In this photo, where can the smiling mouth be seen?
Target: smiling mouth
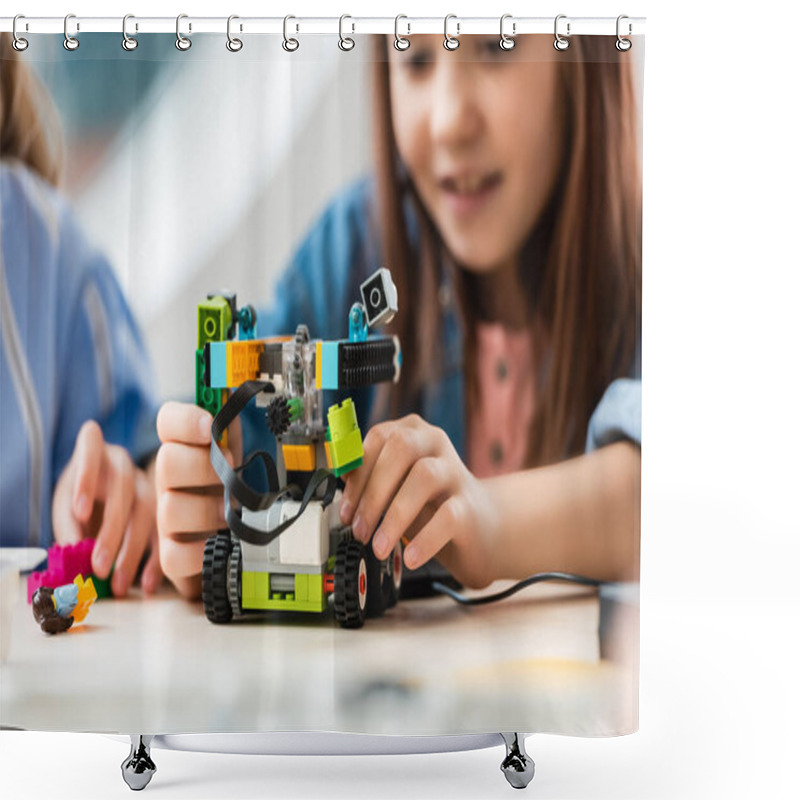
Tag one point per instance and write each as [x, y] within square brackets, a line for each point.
[471, 185]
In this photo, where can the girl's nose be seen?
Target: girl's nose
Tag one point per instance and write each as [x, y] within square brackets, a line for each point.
[456, 116]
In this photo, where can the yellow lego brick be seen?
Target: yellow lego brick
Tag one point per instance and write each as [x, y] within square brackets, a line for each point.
[241, 361]
[318, 365]
[299, 457]
[86, 596]
[328, 455]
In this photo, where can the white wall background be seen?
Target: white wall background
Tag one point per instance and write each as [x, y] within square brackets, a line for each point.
[720, 697]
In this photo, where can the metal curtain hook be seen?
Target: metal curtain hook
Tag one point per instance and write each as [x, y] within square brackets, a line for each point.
[289, 44]
[560, 42]
[507, 42]
[400, 42]
[345, 42]
[182, 42]
[70, 42]
[451, 42]
[128, 43]
[18, 43]
[623, 45]
[234, 45]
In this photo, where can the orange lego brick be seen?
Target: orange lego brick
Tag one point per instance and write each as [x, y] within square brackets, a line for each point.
[299, 457]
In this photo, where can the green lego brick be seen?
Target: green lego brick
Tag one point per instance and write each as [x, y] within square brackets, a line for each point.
[346, 446]
[349, 467]
[213, 320]
[205, 397]
[316, 596]
[255, 589]
[103, 586]
[308, 594]
[301, 588]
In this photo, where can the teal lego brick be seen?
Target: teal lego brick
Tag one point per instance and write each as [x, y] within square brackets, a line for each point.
[329, 375]
[218, 368]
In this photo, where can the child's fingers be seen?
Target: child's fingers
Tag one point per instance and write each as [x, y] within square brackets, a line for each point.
[184, 422]
[427, 480]
[134, 543]
[182, 466]
[119, 492]
[357, 479]
[401, 449]
[66, 528]
[152, 574]
[187, 512]
[86, 464]
[452, 516]
[181, 559]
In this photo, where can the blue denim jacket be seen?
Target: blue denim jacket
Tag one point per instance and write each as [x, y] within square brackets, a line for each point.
[321, 283]
[70, 351]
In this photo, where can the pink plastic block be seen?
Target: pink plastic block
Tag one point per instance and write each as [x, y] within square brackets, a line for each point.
[64, 564]
[71, 559]
[51, 580]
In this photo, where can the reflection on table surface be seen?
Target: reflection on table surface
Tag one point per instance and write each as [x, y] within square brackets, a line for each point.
[534, 662]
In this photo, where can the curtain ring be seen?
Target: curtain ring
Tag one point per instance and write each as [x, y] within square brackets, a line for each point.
[289, 44]
[18, 43]
[451, 42]
[400, 42]
[560, 42]
[182, 42]
[507, 42]
[233, 45]
[70, 42]
[128, 42]
[623, 45]
[345, 42]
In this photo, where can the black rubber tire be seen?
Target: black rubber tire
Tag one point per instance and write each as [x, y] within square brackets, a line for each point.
[391, 592]
[347, 609]
[215, 578]
[377, 582]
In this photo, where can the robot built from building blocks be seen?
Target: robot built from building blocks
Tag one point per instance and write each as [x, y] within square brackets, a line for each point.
[287, 548]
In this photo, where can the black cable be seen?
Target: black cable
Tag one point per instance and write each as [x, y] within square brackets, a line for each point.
[569, 577]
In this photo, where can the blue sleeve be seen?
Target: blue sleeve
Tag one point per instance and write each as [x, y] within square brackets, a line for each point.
[104, 370]
[618, 415]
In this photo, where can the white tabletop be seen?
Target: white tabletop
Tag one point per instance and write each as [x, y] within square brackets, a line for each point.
[156, 665]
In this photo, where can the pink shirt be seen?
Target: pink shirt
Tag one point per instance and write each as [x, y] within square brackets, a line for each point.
[500, 427]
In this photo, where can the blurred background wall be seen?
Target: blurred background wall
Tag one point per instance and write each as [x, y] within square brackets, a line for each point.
[197, 170]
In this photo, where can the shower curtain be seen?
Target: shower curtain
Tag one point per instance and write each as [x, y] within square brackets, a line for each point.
[405, 269]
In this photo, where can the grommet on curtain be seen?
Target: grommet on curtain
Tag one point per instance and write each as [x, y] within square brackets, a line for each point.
[290, 44]
[233, 45]
[18, 43]
[345, 42]
[451, 42]
[507, 42]
[182, 42]
[560, 42]
[128, 42]
[70, 42]
[400, 42]
[623, 45]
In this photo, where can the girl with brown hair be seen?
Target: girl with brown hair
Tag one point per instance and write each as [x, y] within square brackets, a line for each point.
[506, 202]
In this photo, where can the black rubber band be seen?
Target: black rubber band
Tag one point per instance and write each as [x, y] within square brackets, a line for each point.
[236, 487]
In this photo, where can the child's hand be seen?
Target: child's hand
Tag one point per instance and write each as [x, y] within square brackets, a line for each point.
[102, 494]
[411, 471]
[190, 497]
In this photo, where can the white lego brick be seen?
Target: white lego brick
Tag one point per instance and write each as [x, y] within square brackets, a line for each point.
[307, 541]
